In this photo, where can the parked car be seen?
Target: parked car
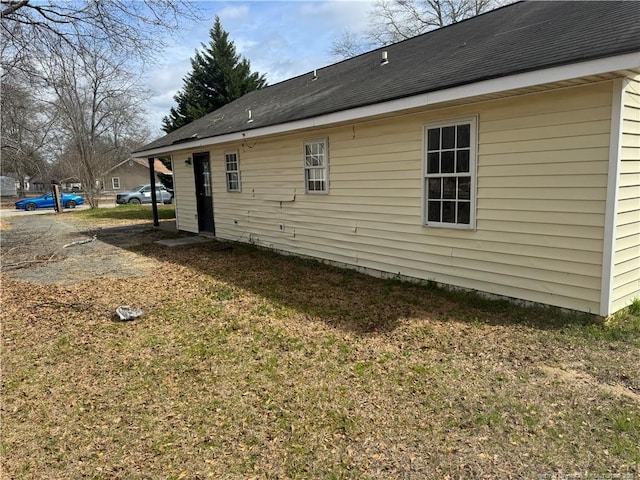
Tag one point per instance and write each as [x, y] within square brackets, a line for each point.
[47, 201]
[142, 194]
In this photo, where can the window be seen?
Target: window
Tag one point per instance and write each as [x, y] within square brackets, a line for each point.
[450, 167]
[233, 171]
[115, 182]
[315, 167]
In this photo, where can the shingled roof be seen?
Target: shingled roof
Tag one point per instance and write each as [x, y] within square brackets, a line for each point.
[158, 166]
[517, 38]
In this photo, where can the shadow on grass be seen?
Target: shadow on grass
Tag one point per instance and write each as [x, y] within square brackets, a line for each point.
[353, 301]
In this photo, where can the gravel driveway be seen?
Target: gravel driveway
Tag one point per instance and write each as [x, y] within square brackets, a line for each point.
[48, 249]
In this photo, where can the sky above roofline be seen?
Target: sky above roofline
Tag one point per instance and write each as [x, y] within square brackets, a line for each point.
[281, 39]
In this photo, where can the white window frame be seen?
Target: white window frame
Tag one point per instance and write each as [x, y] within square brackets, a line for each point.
[236, 171]
[324, 168]
[473, 166]
[115, 180]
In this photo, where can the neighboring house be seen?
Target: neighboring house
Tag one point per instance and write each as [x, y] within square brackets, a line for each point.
[71, 184]
[129, 174]
[36, 184]
[500, 154]
[7, 186]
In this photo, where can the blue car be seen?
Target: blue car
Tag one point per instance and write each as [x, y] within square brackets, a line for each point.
[69, 200]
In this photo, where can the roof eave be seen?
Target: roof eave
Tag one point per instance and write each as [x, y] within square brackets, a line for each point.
[485, 87]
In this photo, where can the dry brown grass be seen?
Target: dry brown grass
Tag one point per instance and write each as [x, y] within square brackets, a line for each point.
[247, 364]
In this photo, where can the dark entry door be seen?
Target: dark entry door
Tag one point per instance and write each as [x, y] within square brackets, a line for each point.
[204, 193]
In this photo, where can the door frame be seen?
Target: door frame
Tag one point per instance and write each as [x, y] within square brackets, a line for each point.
[206, 220]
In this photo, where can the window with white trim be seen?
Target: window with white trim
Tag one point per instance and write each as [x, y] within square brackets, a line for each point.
[115, 183]
[450, 166]
[232, 168]
[316, 162]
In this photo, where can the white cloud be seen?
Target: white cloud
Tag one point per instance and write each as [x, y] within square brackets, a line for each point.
[168, 76]
[285, 39]
[233, 12]
[164, 81]
[341, 14]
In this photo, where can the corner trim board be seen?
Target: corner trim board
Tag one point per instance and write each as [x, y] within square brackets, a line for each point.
[611, 209]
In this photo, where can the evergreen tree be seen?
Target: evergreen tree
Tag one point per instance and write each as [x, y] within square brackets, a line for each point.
[218, 76]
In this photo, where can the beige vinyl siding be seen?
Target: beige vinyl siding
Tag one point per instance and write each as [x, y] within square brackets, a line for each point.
[626, 268]
[184, 193]
[541, 194]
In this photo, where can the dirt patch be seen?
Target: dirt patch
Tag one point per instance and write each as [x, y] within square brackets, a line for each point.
[583, 379]
[47, 249]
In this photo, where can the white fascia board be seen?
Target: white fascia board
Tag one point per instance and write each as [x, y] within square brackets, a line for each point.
[511, 82]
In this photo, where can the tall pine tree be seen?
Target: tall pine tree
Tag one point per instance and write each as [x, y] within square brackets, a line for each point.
[218, 76]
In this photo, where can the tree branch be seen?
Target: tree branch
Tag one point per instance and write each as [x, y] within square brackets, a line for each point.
[12, 8]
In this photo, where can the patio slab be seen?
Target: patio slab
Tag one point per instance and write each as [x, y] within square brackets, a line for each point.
[177, 242]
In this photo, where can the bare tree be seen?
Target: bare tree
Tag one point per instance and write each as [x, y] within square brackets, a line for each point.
[350, 43]
[24, 133]
[31, 28]
[391, 21]
[77, 55]
[98, 106]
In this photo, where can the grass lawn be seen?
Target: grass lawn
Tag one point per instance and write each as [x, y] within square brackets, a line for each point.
[125, 213]
[247, 364]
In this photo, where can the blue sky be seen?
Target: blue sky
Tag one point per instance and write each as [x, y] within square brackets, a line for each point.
[281, 39]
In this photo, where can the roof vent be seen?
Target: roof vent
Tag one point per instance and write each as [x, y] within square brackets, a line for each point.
[385, 58]
[315, 75]
[250, 120]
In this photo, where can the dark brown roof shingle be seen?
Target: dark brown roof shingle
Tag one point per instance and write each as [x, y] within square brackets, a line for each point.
[518, 38]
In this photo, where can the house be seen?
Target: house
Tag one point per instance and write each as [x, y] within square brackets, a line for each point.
[500, 154]
[130, 173]
[36, 184]
[7, 186]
